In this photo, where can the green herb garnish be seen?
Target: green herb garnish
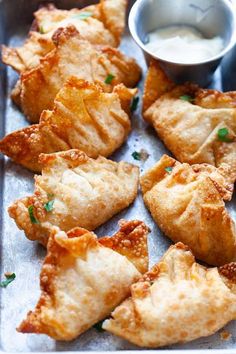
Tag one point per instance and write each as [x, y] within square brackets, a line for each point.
[49, 205]
[187, 98]
[50, 195]
[41, 30]
[83, 15]
[109, 79]
[136, 155]
[98, 326]
[9, 279]
[31, 215]
[134, 104]
[169, 169]
[223, 135]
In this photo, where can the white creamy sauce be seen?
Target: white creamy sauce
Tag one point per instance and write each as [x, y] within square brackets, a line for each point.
[183, 44]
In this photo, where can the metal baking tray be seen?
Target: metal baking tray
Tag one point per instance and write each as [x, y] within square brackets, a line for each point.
[23, 257]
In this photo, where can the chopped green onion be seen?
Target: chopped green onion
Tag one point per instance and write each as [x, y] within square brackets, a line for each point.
[169, 169]
[31, 215]
[98, 326]
[134, 104]
[223, 135]
[142, 155]
[136, 155]
[41, 30]
[9, 279]
[109, 79]
[187, 98]
[49, 205]
[82, 15]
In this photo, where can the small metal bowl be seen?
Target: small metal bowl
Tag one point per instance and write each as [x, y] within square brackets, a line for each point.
[211, 17]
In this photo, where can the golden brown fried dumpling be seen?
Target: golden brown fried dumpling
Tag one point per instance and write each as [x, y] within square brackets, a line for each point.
[101, 24]
[75, 190]
[83, 117]
[187, 203]
[110, 13]
[83, 279]
[85, 61]
[177, 301]
[197, 126]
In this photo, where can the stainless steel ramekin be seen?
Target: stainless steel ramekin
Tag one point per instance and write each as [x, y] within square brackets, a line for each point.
[211, 17]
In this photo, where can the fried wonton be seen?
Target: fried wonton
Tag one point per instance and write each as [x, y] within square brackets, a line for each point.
[111, 13]
[75, 190]
[83, 278]
[101, 24]
[196, 125]
[73, 56]
[187, 202]
[177, 301]
[83, 117]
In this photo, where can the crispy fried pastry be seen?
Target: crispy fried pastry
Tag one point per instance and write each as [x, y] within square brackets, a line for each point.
[105, 66]
[83, 278]
[187, 202]
[196, 125]
[101, 24]
[83, 117]
[75, 190]
[111, 13]
[177, 301]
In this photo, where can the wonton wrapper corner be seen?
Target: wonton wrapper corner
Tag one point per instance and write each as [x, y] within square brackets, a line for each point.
[84, 278]
[177, 301]
[84, 192]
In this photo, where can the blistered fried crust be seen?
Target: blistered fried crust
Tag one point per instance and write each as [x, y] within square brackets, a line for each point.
[24, 146]
[84, 192]
[130, 241]
[103, 26]
[82, 281]
[16, 92]
[94, 64]
[215, 99]
[83, 117]
[187, 203]
[189, 121]
[180, 301]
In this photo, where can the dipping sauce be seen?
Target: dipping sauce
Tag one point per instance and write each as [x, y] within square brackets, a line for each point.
[183, 44]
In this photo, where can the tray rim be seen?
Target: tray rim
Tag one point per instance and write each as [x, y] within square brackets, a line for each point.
[2, 177]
